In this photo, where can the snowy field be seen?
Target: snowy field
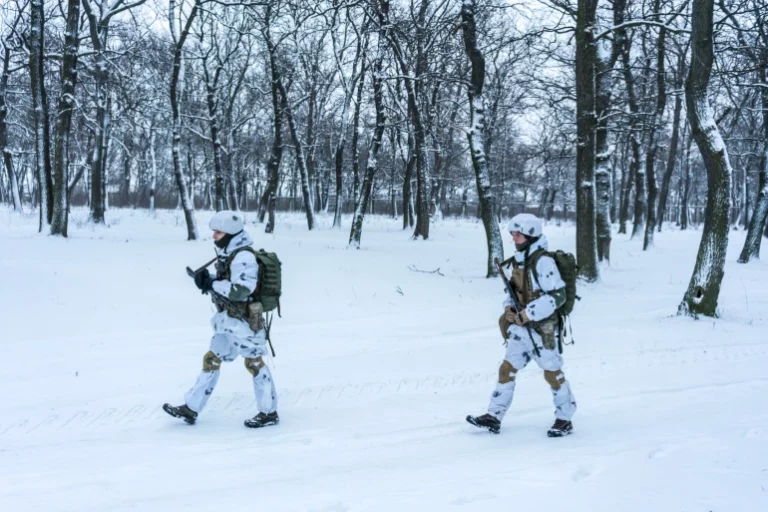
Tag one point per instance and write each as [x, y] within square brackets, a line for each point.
[376, 368]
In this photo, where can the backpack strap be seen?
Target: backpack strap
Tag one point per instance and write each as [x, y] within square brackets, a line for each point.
[507, 262]
[251, 250]
[532, 265]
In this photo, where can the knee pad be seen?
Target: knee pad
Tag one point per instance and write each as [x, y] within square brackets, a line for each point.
[254, 365]
[507, 372]
[504, 326]
[211, 362]
[554, 379]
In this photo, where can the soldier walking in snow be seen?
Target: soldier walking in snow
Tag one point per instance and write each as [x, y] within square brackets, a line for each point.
[238, 324]
[531, 326]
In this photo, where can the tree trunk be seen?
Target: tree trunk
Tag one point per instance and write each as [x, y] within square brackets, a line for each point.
[627, 179]
[622, 42]
[655, 134]
[153, 172]
[586, 123]
[604, 62]
[4, 151]
[189, 212]
[673, 143]
[704, 287]
[268, 200]
[757, 224]
[476, 137]
[211, 84]
[349, 92]
[64, 119]
[373, 155]
[300, 161]
[356, 134]
[412, 90]
[408, 220]
[36, 82]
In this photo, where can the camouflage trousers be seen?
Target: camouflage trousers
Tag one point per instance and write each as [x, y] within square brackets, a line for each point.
[225, 348]
[519, 353]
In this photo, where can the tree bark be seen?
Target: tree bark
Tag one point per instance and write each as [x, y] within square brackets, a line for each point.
[758, 224]
[673, 143]
[604, 62]
[704, 287]
[636, 171]
[655, 134]
[189, 212]
[36, 82]
[412, 90]
[586, 124]
[372, 166]
[268, 199]
[4, 151]
[211, 89]
[300, 161]
[64, 119]
[476, 137]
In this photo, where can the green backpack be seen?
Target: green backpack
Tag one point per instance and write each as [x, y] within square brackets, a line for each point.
[566, 265]
[269, 287]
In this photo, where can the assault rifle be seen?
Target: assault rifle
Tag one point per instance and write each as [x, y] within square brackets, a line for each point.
[218, 299]
[510, 285]
[221, 302]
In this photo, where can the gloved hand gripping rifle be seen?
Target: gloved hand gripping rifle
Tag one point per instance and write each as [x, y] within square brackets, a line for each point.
[510, 286]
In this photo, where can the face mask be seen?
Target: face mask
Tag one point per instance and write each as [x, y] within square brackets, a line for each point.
[525, 245]
[223, 242]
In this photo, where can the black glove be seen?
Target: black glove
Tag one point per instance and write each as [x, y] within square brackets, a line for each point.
[204, 281]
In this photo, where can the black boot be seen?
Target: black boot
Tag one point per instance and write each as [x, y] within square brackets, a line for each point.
[488, 421]
[263, 420]
[181, 411]
[561, 428]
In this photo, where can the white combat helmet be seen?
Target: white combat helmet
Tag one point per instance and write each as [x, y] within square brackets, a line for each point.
[527, 224]
[227, 221]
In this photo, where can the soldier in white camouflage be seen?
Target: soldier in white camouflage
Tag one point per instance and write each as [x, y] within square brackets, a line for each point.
[532, 332]
[238, 326]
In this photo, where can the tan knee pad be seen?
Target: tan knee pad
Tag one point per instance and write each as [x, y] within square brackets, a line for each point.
[554, 379]
[504, 326]
[507, 372]
[253, 365]
[211, 362]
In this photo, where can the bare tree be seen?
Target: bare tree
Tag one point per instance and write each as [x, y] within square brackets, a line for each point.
[7, 156]
[39, 110]
[704, 287]
[586, 124]
[64, 119]
[182, 30]
[476, 136]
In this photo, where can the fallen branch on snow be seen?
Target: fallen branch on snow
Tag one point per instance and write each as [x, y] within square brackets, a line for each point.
[412, 268]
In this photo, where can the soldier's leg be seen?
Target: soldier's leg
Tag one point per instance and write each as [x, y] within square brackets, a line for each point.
[515, 359]
[263, 384]
[565, 403]
[221, 350]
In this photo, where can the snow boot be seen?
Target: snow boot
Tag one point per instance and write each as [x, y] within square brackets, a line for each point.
[263, 420]
[181, 411]
[486, 421]
[561, 428]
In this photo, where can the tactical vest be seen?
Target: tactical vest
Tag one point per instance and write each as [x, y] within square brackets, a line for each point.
[522, 277]
[239, 310]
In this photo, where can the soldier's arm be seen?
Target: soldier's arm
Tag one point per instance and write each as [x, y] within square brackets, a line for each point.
[553, 288]
[244, 275]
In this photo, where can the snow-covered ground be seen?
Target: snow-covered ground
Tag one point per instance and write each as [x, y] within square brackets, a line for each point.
[377, 366]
